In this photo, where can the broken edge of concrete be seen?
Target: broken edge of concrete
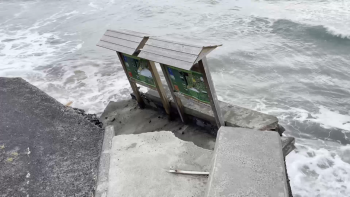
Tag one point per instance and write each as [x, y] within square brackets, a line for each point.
[103, 169]
[234, 116]
[247, 162]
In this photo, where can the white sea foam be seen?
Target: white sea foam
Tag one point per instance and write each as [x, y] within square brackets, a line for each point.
[328, 119]
[25, 51]
[331, 119]
[88, 88]
[319, 171]
[91, 4]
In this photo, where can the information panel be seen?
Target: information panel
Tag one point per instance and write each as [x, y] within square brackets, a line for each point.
[189, 83]
[138, 69]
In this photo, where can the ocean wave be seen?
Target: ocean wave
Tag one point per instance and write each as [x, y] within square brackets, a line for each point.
[305, 30]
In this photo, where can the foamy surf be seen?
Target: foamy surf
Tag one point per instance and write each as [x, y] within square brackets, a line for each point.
[319, 171]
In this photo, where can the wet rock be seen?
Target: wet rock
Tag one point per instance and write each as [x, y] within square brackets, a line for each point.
[91, 117]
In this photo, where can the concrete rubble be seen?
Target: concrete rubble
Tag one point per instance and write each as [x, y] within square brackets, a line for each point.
[140, 155]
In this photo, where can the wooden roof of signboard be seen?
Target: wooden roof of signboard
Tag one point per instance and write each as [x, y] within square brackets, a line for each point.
[125, 41]
[181, 55]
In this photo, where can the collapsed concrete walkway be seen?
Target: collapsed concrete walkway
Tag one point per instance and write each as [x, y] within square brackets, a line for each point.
[126, 118]
[46, 149]
[139, 155]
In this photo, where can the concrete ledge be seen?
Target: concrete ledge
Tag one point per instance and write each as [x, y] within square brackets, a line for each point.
[103, 170]
[234, 116]
[247, 162]
[127, 118]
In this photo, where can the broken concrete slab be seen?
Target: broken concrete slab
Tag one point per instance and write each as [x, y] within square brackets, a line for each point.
[247, 162]
[103, 169]
[233, 115]
[127, 118]
[139, 165]
[287, 144]
[46, 149]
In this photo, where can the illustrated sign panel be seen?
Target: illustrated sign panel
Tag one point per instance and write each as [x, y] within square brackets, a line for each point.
[138, 69]
[188, 82]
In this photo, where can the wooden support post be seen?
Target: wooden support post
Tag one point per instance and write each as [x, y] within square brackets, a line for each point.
[159, 86]
[177, 101]
[132, 84]
[214, 102]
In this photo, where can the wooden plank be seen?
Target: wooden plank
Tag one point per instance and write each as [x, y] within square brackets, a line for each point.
[115, 47]
[195, 50]
[159, 86]
[132, 84]
[204, 53]
[214, 103]
[165, 60]
[122, 42]
[192, 43]
[170, 53]
[128, 32]
[124, 36]
[185, 42]
[141, 45]
[177, 101]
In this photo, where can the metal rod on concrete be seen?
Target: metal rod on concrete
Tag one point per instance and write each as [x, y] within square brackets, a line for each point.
[132, 84]
[177, 100]
[214, 102]
[159, 86]
[188, 172]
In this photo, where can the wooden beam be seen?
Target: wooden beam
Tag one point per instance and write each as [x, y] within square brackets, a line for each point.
[159, 85]
[214, 103]
[177, 101]
[132, 83]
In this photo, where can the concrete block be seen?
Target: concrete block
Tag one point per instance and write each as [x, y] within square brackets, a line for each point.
[247, 162]
[103, 169]
[139, 165]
